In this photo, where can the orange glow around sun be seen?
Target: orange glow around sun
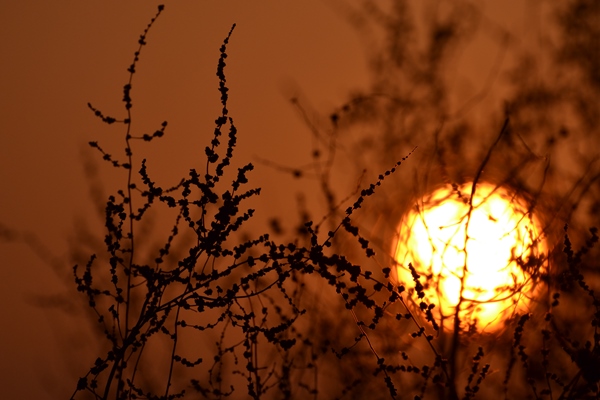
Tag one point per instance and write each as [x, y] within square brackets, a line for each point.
[488, 280]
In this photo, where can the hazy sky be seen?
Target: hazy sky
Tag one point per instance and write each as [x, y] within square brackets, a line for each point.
[60, 55]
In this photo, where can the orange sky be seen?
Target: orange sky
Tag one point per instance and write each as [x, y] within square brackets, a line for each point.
[59, 55]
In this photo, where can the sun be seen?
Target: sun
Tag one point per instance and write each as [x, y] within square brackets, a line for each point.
[480, 255]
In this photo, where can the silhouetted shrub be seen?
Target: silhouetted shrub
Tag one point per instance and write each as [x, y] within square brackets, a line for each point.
[214, 313]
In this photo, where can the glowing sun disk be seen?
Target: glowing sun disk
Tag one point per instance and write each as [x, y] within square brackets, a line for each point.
[480, 255]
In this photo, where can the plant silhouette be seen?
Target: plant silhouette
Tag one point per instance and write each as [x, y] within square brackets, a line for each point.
[214, 313]
[220, 285]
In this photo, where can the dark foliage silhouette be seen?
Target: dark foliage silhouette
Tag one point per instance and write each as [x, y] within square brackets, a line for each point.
[216, 314]
[221, 286]
[215, 311]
